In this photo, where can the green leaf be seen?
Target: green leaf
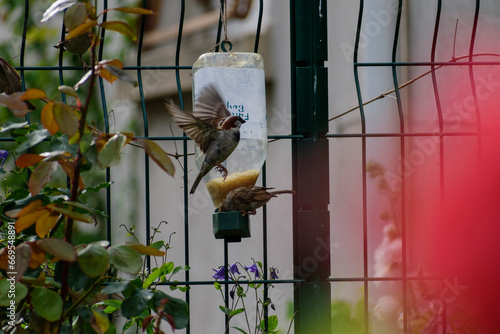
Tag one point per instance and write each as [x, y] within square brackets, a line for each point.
[121, 27]
[158, 155]
[272, 323]
[225, 310]
[165, 269]
[56, 7]
[115, 287]
[237, 311]
[152, 277]
[96, 189]
[47, 303]
[32, 139]
[132, 286]
[158, 244]
[110, 154]
[75, 15]
[12, 126]
[7, 296]
[125, 259]
[136, 303]
[217, 286]
[113, 303]
[59, 248]
[177, 308]
[240, 330]
[93, 260]
[77, 278]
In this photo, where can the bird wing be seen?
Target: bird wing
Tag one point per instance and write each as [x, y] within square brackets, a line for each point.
[209, 107]
[201, 132]
[11, 79]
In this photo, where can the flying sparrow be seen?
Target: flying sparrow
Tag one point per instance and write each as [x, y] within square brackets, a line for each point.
[213, 129]
[248, 199]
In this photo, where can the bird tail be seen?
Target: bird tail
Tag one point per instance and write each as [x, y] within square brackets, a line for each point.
[282, 192]
[196, 183]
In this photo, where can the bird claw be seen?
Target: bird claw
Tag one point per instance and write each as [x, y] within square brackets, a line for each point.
[221, 169]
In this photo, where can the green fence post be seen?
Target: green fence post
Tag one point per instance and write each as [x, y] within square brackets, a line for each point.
[311, 226]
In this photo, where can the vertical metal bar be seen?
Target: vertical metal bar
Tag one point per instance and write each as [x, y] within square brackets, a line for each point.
[23, 48]
[312, 298]
[264, 251]
[185, 154]
[471, 73]
[146, 134]
[402, 160]
[259, 25]
[441, 126]
[60, 63]
[106, 125]
[363, 167]
[226, 284]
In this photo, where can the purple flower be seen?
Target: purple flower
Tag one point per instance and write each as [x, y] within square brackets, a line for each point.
[273, 272]
[3, 156]
[219, 274]
[234, 269]
[253, 269]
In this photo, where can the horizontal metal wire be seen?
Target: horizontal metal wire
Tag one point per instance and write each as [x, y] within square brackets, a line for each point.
[131, 67]
[381, 279]
[428, 63]
[268, 281]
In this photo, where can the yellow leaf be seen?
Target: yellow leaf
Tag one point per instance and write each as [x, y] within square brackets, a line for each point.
[67, 118]
[107, 75]
[99, 322]
[156, 153]
[45, 223]
[28, 208]
[146, 250]
[47, 118]
[121, 27]
[81, 29]
[140, 11]
[37, 255]
[28, 160]
[27, 220]
[74, 215]
[33, 94]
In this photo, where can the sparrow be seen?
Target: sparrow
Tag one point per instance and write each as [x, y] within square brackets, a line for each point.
[213, 129]
[248, 199]
[10, 81]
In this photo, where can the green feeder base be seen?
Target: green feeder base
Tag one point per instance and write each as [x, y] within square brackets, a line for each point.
[231, 226]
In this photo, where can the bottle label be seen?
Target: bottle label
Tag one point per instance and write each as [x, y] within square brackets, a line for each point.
[243, 92]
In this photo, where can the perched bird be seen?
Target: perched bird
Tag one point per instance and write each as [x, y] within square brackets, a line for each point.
[10, 81]
[213, 129]
[248, 199]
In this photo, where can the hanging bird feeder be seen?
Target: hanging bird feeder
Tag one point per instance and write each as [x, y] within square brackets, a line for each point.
[239, 79]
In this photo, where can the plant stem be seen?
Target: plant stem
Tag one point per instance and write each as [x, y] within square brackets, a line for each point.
[75, 182]
[82, 297]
